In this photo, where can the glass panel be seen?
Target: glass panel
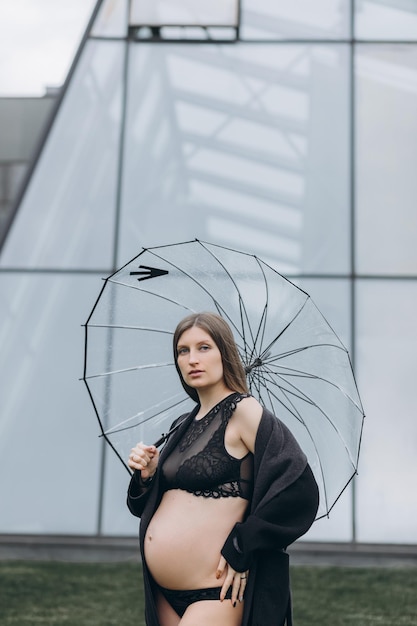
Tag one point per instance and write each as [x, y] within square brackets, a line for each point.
[386, 367]
[70, 202]
[112, 19]
[235, 145]
[386, 110]
[186, 12]
[299, 19]
[333, 299]
[49, 445]
[386, 19]
[117, 520]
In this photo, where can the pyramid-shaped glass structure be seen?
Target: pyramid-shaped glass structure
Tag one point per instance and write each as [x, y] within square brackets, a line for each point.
[231, 122]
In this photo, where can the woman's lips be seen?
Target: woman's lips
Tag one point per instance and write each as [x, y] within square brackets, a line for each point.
[195, 373]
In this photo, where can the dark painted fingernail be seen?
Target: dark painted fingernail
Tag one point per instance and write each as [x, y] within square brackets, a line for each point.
[234, 603]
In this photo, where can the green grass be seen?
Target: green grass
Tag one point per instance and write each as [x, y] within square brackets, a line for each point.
[71, 594]
[352, 596]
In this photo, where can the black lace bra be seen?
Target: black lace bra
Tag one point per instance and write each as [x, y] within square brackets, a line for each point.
[200, 463]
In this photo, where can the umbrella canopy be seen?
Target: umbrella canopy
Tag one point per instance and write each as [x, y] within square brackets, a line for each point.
[296, 365]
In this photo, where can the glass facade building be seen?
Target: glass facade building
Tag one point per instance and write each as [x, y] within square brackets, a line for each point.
[288, 130]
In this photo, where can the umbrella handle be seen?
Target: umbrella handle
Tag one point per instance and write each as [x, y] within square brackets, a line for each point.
[161, 440]
[164, 437]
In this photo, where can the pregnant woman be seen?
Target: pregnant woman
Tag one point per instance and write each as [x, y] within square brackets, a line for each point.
[229, 492]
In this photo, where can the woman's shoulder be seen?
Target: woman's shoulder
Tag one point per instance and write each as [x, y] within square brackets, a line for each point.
[249, 412]
[248, 403]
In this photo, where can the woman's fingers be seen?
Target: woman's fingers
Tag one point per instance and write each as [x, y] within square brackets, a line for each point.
[235, 580]
[243, 579]
[220, 567]
[228, 582]
[223, 567]
[238, 587]
[143, 457]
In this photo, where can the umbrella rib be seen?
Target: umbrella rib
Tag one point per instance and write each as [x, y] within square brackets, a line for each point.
[295, 412]
[118, 427]
[124, 327]
[283, 355]
[287, 326]
[148, 418]
[128, 369]
[320, 464]
[269, 381]
[301, 374]
[254, 380]
[261, 325]
[269, 394]
[261, 376]
[300, 396]
[151, 293]
[265, 311]
[311, 402]
[216, 303]
[254, 338]
[242, 308]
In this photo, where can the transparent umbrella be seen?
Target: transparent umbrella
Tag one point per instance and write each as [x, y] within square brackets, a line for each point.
[296, 365]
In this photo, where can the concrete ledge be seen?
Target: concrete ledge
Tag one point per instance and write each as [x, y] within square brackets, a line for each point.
[122, 549]
[353, 554]
[69, 548]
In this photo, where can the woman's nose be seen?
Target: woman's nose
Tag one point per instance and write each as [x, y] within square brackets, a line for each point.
[193, 356]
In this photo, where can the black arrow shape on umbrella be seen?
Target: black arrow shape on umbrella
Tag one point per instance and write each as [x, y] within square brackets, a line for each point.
[151, 272]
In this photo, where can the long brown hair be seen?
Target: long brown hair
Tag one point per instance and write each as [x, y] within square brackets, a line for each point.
[219, 330]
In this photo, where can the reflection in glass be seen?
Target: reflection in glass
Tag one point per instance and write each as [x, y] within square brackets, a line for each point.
[237, 146]
[386, 19]
[183, 12]
[299, 19]
[70, 201]
[332, 296]
[387, 372]
[386, 112]
[112, 19]
[45, 416]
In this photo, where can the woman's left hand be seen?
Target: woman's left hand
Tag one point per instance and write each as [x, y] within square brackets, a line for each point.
[236, 580]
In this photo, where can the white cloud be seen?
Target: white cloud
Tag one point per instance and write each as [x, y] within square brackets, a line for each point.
[38, 40]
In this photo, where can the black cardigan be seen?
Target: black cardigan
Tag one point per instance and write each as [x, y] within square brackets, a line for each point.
[283, 507]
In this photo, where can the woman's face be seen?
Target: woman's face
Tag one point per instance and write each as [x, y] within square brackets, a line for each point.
[199, 359]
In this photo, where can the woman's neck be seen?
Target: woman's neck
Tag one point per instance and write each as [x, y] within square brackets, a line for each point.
[208, 398]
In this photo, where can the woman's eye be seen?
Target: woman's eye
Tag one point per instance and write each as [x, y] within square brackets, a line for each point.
[182, 351]
[204, 348]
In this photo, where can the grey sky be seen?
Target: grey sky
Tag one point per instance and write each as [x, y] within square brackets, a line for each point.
[38, 39]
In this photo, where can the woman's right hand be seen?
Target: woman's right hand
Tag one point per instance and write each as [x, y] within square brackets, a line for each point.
[144, 459]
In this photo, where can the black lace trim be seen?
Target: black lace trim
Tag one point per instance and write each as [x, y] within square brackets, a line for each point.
[197, 427]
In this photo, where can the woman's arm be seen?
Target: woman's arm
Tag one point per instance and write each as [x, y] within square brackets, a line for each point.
[143, 460]
[277, 524]
[285, 497]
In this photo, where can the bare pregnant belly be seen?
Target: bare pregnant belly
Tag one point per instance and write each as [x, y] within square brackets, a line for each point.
[185, 536]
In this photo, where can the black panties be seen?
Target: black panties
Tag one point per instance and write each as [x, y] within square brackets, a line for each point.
[180, 599]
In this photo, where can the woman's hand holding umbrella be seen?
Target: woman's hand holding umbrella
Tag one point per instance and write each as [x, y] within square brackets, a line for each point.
[145, 459]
